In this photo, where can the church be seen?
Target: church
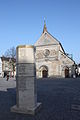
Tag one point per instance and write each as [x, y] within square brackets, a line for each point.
[51, 59]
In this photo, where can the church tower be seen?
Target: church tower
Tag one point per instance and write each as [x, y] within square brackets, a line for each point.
[45, 28]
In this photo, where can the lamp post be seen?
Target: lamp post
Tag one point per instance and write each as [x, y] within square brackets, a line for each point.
[12, 67]
[10, 64]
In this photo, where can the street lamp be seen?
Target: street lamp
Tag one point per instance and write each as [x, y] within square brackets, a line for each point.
[10, 64]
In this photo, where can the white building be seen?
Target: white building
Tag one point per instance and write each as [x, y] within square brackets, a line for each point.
[51, 59]
[8, 66]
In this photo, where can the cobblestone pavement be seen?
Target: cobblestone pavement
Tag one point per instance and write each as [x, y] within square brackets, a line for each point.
[57, 97]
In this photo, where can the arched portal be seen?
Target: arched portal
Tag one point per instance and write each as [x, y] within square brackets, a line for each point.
[66, 72]
[44, 71]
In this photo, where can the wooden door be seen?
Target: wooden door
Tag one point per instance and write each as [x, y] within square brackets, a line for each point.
[44, 73]
[67, 72]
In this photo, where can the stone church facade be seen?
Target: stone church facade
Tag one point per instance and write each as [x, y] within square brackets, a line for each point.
[51, 59]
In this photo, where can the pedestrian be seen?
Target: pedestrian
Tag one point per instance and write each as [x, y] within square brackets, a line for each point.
[7, 77]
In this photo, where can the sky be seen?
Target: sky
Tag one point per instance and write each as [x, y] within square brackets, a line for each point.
[22, 21]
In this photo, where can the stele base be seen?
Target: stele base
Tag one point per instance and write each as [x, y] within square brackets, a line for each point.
[32, 111]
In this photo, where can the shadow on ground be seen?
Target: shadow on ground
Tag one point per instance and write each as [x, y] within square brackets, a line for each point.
[56, 95]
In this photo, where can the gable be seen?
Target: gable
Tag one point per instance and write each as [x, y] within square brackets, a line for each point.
[66, 60]
[46, 39]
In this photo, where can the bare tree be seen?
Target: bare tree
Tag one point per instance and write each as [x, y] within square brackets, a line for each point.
[11, 52]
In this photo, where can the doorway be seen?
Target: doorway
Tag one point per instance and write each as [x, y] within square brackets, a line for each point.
[66, 72]
[44, 73]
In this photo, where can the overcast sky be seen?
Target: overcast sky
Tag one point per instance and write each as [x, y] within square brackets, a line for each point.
[21, 22]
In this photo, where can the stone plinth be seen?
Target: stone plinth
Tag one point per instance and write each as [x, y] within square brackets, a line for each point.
[26, 95]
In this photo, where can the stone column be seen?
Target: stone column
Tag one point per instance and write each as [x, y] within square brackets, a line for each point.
[26, 90]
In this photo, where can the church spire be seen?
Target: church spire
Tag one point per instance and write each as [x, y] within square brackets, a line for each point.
[45, 28]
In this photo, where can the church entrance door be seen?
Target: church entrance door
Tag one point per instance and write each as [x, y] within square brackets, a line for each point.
[66, 72]
[44, 73]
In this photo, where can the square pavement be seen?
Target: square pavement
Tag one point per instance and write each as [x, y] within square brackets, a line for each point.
[60, 99]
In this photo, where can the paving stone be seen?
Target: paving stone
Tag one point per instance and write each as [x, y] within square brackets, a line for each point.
[57, 97]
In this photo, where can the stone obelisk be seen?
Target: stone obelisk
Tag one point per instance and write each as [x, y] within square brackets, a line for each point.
[26, 89]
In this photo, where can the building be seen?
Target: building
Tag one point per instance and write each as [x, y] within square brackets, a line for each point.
[51, 59]
[8, 66]
[0, 67]
[78, 70]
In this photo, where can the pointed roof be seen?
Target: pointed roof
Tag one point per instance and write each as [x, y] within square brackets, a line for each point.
[45, 28]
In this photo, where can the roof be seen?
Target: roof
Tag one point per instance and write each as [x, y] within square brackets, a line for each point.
[3, 58]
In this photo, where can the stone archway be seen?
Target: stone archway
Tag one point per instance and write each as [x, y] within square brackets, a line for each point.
[66, 72]
[44, 71]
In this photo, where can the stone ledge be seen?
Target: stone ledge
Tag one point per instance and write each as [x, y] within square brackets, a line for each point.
[32, 111]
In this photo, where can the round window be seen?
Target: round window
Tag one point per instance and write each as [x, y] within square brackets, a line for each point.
[46, 52]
